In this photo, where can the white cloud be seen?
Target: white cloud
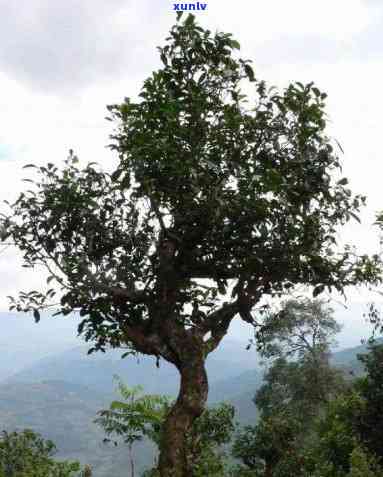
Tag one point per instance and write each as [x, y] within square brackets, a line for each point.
[259, 21]
[62, 47]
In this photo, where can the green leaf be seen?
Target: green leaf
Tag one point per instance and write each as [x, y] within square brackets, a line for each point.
[340, 147]
[343, 181]
[235, 44]
[354, 216]
[36, 315]
[116, 174]
[29, 165]
[249, 72]
[318, 290]
[189, 20]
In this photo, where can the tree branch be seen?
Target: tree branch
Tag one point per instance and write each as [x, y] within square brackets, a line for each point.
[132, 295]
[148, 343]
[218, 324]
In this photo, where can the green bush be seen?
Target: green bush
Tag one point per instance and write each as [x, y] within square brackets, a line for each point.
[27, 454]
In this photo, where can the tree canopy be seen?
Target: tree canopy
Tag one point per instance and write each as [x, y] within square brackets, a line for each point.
[295, 392]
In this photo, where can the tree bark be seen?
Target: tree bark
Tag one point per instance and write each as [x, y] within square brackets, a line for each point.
[188, 407]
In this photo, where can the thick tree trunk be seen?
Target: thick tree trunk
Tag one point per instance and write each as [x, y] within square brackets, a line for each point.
[189, 405]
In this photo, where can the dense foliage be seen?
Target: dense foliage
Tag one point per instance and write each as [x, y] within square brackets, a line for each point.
[26, 454]
[294, 392]
[345, 438]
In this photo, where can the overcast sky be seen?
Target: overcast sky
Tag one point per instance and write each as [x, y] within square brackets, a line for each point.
[62, 62]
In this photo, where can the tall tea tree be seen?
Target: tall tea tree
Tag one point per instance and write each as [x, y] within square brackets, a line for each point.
[209, 186]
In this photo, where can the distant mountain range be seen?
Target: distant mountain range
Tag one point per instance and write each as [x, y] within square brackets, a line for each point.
[60, 395]
[57, 391]
[347, 359]
[64, 412]
[23, 342]
[97, 370]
